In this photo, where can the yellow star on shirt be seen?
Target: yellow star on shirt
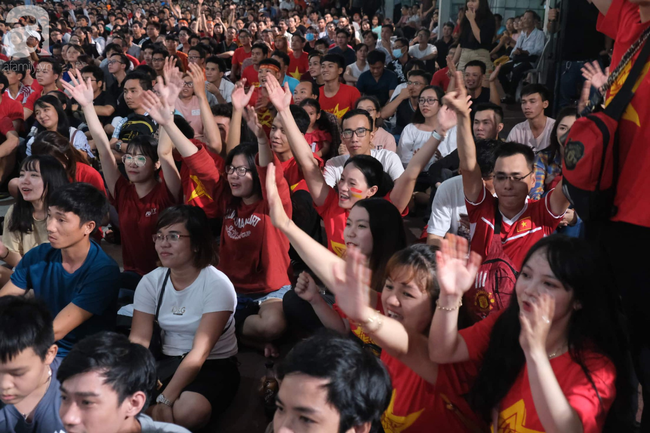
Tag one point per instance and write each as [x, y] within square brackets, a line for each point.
[394, 423]
[512, 419]
[338, 248]
[630, 112]
[296, 74]
[199, 191]
[339, 113]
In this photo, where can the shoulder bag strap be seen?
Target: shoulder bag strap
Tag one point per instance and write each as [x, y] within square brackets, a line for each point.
[162, 292]
[617, 107]
[497, 217]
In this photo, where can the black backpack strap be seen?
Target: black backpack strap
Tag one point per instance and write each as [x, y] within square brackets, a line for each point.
[617, 107]
[162, 291]
[497, 218]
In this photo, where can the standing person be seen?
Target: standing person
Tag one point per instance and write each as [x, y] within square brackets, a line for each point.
[629, 230]
[216, 83]
[477, 30]
[196, 316]
[536, 130]
[335, 97]
[28, 365]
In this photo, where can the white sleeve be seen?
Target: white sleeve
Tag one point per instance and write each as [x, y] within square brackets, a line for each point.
[392, 165]
[450, 143]
[227, 95]
[441, 212]
[405, 148]
[220, 295]
[146, 294]
[512, 135]
[332, 173]
[434, 49]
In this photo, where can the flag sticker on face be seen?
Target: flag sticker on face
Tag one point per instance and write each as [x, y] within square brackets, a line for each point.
[524, 225]
[356, 193]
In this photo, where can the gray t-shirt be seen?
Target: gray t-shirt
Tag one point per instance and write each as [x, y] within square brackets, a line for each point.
[46, 416]
[150, 426]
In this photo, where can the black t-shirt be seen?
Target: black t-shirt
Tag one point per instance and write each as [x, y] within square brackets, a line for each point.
[483, 97]
[105, 98]
[581, 39]
[487, 27]
[443, 51]
[397, 67]
[403, 116]
[224, 47]
[137, 40]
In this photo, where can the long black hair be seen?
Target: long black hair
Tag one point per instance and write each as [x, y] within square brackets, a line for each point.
[554, 146]
[326, 123]
[54, 177]
[63, 126]
[595, 329]
[418, 117]
[249, 151]
[373, 172]
[483, 14]
[388, 235]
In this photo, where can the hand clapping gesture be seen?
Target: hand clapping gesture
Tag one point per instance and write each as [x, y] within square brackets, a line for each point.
[241, 98]
[279, 96]
[456, 273]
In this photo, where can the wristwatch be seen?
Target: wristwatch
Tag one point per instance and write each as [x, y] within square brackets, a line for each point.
[437, 136]
[162, 399]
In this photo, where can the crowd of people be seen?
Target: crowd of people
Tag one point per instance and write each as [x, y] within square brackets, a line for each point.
[255, 162]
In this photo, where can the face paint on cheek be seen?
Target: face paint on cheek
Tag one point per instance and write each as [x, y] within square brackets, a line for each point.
[356, 193]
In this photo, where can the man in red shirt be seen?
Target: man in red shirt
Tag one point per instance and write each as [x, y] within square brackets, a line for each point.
[335, 97]
[259, 52]
[10, 108]
[524, 221]
[624, 239]
[299, 61]
[48, 73]
[241, 53]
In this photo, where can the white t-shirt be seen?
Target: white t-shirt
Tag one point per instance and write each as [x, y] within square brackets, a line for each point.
[416, 52]
[181, 310]
[447, 208]
[413, 139]
[389, 160]
[355, 71]
[148, 425]
[80, 142]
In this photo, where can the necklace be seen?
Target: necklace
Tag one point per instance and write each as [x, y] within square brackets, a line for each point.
[557, 352]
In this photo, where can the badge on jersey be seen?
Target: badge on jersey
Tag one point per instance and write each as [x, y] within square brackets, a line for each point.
[524, 225]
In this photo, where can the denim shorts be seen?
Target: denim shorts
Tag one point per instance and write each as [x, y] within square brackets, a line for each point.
[248, 305]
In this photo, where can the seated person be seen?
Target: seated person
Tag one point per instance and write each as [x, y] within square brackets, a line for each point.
[72, 274]
[196, 314]
[104, 102]
[117, 378]
[404, 105]
[29, 398]
[474, 76]
[333, 382]
[378, 81]
[536, 130]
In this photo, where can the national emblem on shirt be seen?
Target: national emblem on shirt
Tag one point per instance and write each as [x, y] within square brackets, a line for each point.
[483, 301]
[631, 113]
[512, 419]
[524, 225]
[338, 248]
[393, 423]
[338, 113]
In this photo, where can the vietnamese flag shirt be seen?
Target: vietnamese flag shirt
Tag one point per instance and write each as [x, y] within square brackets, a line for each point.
[340, 103]
[251, 75]
[298, 66]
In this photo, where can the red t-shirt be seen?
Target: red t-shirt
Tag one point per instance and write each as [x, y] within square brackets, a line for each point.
[357, 332]
[253, 253]
[293, 174]
[11, 108]
[517, 412]
[441, 79]
[240, 55]
[194, 192]
[298, 67]
[6, 126]
[343, 101]
[87, 174]
[623, 24]
[138, 219]
[251, 75]
[518, 235]
[316, 139]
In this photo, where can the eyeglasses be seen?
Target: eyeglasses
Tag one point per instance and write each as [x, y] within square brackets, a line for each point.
[173, 237]
[428, 101]
[361, 132]
[138, 160]
[158, 59]
[241, 171]
[414, 83]
[503, 177]
[188, 84]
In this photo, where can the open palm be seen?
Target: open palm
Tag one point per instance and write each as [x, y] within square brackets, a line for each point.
[79, 90]
[240, 97]
[352, 288]
[279, 96]
[455, 272]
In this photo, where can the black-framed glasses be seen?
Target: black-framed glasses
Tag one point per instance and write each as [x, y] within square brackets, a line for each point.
[241, 170]
[428, 101]
[188, 84]
[361, 132]
[172, 237]
[500, 177]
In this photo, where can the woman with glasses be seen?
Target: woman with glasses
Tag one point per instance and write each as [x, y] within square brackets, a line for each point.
[140, 196]
[195, 312]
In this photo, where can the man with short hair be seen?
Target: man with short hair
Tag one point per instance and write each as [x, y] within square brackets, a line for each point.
[322, 46]
[171, 43]
[259, 52]
[305, 90]
[215, 68]
[118, 66]
[114, 378]
[104, 101]
[404, 104]
[298, 59]
[335, 97]
[158, 60]
[226, 48]
[342, 48]
[536, 130]
[29, 390]
[401, 57]
[241, 53]
[370, 39]
[47, 72]
[386, 41]
[284, 60]
[444, 43]
[377, 81]
[473, 76]
[153, 31]
[9, 108]
[71, 273]
[333, 382]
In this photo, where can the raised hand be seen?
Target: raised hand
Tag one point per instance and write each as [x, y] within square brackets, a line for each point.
[171, 87]
[158, 108]
[279, 96]
[277, 213]
[495, 74]
[470, 14]
[198, 79]
[593, 73]
[447, 118]
[353, 286]
[451, 65]
[253, 122]
[458, 99]
[536, 323]
[455, 272]
[79, 90]
[306, 288]
[241, 98]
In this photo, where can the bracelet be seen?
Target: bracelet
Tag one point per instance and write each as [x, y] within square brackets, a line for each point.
[437, 136]
[162, 399]
[440, 307]
[373, 323]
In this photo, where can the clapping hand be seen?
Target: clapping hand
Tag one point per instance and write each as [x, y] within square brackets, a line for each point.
[279, 96]
[240, 97]
[456, 273]
[79, 90]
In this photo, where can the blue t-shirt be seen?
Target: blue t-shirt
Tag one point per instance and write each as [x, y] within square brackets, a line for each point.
[367, 85]
[46, 416]
[349, 54]
[292, 83]
[93, 287]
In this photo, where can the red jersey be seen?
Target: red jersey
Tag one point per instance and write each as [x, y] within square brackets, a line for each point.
[251, 75]
[6, 126]
[357, 332]
[343, 101]
[517, 412]
[194, 192]
[623, 24]
[253, 253]
[11, 109]
[138, 219]
[87, 174]
[518, 234]
[441, 79]
[298, 66]
[293, 174]
[316, 138]
[240, 55]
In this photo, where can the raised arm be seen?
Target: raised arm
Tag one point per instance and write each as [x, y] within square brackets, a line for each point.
[211, 133]
[82, 92]
[265, 154]
[494, 91]
[167, 163]
[240, 99]
[456, 275]
[281, 100]
[405, 184]
[472, 180]
[602, 5]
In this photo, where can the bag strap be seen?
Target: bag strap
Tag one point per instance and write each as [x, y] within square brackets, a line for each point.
[617, 107]
[162, 291]
[73, 136]
[497, 218]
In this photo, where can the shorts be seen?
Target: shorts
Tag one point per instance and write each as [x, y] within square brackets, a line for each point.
[483, 55]
[249, 305]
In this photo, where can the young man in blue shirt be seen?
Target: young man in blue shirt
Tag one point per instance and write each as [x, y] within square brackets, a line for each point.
[72, 274]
